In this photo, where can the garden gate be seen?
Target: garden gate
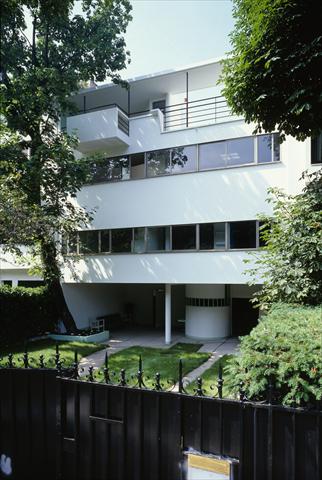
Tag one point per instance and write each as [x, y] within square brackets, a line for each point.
[65, 428]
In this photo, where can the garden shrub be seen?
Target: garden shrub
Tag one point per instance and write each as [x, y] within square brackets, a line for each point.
[24, 313]
[285, 346]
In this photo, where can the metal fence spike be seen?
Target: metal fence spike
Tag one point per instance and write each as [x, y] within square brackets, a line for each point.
[123, 378]
[91, 374]
[106, 370]
[220, 381]
[199, 391]
[41, 361]
[180, 374]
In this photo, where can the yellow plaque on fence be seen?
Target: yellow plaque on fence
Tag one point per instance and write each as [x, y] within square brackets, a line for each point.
[202, 467]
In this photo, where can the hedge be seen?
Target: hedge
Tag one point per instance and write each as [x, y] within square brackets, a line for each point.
[284, 349]
[24, 313]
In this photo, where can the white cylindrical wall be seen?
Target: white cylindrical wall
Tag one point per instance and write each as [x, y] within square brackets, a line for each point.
[207, 322]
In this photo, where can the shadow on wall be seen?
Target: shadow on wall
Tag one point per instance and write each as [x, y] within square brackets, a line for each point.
[145, 302]
[218, 195]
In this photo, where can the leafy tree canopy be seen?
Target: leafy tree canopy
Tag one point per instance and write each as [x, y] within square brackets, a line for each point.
[273, 76]
[291, 263]
[39, 174]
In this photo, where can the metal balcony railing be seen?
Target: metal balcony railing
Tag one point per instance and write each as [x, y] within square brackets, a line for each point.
[196, 113]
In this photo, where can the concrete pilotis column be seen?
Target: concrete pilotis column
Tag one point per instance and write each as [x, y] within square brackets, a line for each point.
[167, 323]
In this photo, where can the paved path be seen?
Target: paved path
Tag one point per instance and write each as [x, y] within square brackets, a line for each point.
[217, 349]
[143, 338]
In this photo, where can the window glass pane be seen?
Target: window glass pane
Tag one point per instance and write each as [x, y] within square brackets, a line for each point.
[105, 241]
[240, 151]
[316, 149]
[158, 238]
[99, 172]
[121, 240]
[72, 243]
[118, 168]
[264, 148]
[184, 159]
[159, 104]
[88, 241]
[158, 163]
[139, 244]
[184, 237]
[206, 232]
[212, 235]
[212, 155]
[108, 169]
[276, 146]
[137, 166]
[220, 235]
[243, 234]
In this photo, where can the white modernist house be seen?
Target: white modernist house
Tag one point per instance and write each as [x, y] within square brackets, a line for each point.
[177, 187]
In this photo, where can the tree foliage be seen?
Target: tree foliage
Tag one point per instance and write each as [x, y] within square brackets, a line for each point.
[39, 174]
[25, 313]
[273, 75]
[291, 263]
[285, 350]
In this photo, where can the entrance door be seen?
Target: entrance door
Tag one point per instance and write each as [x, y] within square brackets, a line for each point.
[244, 316]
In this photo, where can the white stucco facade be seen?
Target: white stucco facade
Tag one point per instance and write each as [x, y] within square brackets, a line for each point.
[101, 283]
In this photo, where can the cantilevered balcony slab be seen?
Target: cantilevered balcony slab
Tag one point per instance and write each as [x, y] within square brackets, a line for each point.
[99, 129]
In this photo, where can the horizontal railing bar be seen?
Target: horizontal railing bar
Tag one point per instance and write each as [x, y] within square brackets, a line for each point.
[199, 100]
[204, 118]
[215, 120]
[192, 114]
[184, 108]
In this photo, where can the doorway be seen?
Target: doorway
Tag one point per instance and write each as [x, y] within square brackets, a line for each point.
[244, 316]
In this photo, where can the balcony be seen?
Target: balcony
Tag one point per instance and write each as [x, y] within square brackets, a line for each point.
[96, 129]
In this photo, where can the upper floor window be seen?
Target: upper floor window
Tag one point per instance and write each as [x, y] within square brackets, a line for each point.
[242, 234]
[184, 237]
[121, 240]
[158, 163]
[88, 241]
[204, 236]
[159, 104]
[158, 239]
[184, 159]
[259, 149]
[109, 169]
[268, 148]
[316, 149]
[138, 165]
[212, 236]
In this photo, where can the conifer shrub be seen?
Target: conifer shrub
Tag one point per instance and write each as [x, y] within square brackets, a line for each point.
[285, 348]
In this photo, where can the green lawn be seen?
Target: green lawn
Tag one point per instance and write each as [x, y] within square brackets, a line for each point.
[48, 349]
[210, 379]
[162, 360]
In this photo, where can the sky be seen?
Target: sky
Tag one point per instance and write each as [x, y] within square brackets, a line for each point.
[172, 33]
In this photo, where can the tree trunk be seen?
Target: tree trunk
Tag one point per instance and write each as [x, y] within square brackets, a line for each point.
[52, 280]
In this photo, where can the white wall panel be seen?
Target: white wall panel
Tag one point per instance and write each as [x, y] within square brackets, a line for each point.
[180, 268]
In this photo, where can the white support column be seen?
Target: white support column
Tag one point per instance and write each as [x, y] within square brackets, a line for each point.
[167, 322]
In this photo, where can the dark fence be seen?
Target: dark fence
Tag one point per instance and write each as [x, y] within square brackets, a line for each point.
[64, 428]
